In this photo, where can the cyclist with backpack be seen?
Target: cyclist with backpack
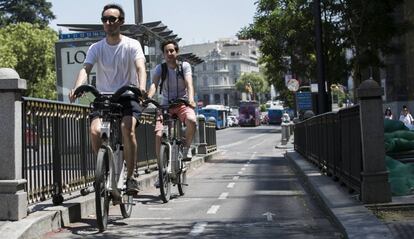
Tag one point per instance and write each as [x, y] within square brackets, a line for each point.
[175, 81]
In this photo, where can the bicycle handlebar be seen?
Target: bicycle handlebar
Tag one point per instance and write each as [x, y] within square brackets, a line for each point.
[115, 97]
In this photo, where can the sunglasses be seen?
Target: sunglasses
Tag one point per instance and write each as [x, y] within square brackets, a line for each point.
[111, 19]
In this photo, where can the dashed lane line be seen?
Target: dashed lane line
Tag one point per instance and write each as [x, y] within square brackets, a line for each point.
[223, 196]
[213, 209]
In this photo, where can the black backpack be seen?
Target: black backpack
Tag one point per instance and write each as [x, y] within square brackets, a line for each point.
[164, 71]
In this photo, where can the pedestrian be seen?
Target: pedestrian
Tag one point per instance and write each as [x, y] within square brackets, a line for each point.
[119, 61]
[178, 83]
[388, 114]
[406, 117]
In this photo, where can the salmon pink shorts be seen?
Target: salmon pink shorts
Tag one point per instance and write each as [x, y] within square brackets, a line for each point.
[183, 112]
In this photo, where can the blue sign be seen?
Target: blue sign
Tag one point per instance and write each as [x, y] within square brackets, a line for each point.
[304, 100]
[78, 35]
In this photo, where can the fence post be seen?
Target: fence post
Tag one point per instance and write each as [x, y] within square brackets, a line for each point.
[13, 198]
[375, 187]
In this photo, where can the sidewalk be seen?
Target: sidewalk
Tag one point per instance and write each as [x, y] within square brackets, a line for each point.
[46, 217]
[355, 220]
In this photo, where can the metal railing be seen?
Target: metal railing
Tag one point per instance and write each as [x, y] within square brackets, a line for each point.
[332, 141]
[56, 149]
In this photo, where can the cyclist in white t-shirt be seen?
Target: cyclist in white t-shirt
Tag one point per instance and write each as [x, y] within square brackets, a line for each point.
[119, 61]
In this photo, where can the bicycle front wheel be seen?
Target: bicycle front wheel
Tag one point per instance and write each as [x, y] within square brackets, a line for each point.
[182, 176]
[163, 176]
[101, 191]
[127, 200]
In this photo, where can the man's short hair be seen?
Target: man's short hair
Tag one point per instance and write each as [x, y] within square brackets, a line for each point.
[116, 6]
[169, 42]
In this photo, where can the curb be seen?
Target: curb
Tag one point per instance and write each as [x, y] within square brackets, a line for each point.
[353, 218]
[47, 217]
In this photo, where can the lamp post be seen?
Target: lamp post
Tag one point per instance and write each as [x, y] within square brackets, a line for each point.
[322, 95]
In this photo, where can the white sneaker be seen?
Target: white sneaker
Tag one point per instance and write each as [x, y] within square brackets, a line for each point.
[187, 155]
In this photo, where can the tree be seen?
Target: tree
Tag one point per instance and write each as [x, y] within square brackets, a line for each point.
[32, 11]
[32, 56]
[286, 32]
[252, 83]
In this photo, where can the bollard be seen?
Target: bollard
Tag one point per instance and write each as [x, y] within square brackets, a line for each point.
[285, 133]
[13, 198]
[202, 145]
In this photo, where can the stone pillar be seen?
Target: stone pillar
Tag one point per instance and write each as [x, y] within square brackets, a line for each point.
[13, 198]
[375, 187]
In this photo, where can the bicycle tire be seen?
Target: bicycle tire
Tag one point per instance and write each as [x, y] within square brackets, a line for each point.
[101, 193]
[182, 176]
[126, 208]
[182, 182]
[163, 176]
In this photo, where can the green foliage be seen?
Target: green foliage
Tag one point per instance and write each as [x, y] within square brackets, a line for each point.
[29, 49]
[31, 11]
[286, 32]
[256, 80]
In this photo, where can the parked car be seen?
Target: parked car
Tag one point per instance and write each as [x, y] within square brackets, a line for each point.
[233, 121]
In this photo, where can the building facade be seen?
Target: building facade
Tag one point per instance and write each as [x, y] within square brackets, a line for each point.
[224, 62]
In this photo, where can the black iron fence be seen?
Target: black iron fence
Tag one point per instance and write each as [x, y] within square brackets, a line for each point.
[57, 154]
[332, 141]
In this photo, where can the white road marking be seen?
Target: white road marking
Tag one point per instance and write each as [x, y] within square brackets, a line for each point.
[160, 208]
[198, 228]
[269, 216]
[236, 177]
[230, 185]
[243, 169]
[213, 209]
[239, 172]
[223, 196]
[247, 165]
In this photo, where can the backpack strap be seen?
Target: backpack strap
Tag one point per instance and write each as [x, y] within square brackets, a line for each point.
[164, 71]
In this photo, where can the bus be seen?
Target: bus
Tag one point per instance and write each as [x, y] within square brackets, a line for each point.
[218, 112]
[275, 113]
[249, 113]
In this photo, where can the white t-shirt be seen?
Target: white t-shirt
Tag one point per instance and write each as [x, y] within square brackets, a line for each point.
[407, 120]
[115, 64]
[172, 87]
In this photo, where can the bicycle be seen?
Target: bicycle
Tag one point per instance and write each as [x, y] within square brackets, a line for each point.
[110, 172]
[171, 168]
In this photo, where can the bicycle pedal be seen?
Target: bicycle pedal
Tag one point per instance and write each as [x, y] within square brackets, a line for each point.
[127, 203]
[185, 184]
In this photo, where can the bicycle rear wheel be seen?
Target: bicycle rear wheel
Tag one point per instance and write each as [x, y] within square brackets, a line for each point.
[127, 200]
[163, 176]
[101, 191]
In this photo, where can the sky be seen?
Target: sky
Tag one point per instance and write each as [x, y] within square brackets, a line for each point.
[195, 21]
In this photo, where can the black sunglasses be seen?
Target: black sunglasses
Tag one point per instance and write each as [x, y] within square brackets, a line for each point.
[111, 19]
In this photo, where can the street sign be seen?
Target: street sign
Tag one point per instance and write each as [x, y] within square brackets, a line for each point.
[293, 85]
[304, 100]
[81, 35]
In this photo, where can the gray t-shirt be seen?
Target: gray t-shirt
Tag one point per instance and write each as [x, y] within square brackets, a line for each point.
[173, 88]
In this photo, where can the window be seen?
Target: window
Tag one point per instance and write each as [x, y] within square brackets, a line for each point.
[205, 81]
[204, 66]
